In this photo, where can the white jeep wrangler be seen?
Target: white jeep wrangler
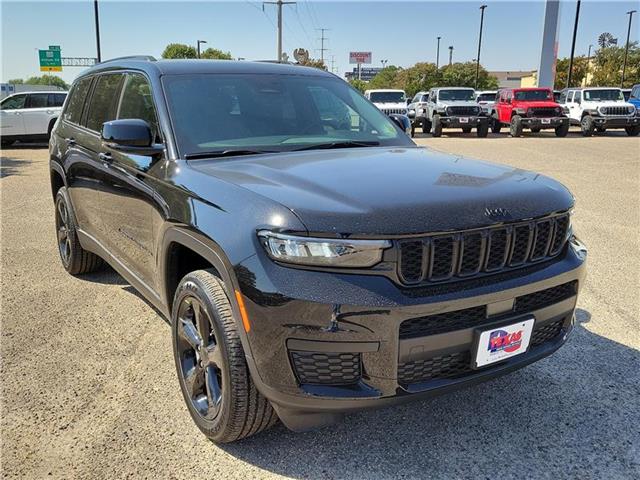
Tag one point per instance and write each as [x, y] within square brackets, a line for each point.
[455, 107]
[388, 100]
[598, 109]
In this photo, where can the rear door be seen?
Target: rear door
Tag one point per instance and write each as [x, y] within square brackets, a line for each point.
[130, 213]
[11, 120]
[37, 114]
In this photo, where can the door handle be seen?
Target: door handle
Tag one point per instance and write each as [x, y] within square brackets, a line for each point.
[70, 141]
[105, 157]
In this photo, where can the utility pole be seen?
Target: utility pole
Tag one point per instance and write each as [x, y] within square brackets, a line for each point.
[438, 54]
[279, 4]
[573, 44]
[586, 80]
[333, 64]
[322, 39]
[199, 42]
[626, 50]
[479, 44]
[450, 54]
[95, 14]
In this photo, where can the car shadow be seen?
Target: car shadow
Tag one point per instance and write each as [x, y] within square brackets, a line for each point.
[12, 166]
[581, 403]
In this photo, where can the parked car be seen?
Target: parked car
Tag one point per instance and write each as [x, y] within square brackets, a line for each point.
[455, 107]
[388, 100]
[486, 99]
[532, 108]
[626, 93]
[634, 98]
[29, 116]
[418, 106]
[308, 268]
[600, 109]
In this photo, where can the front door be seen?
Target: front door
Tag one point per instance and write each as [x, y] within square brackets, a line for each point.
[37, 114]
[11, 110]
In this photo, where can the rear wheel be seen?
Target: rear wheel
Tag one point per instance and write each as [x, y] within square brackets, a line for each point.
[437, 126]
[516, 126]
[633, 131]
[562, 130]
[75, 259]
[495, 125]
[587, 126]
[212, 369]
[426, 126]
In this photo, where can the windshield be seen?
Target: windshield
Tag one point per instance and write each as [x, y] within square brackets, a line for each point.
[486, 97]
[453, 95]
[272, 113]
[614, 94]
[533, 95]
[387, 97]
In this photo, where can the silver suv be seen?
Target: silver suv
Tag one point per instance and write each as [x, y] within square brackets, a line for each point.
[455, 107]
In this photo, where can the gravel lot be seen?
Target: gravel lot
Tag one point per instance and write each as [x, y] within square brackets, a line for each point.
[89, 388]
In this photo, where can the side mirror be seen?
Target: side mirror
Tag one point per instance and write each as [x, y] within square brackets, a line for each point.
[130, 135]
[408, 101]
[402, 122]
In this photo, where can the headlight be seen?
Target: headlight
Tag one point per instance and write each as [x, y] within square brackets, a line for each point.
[592, 111]
[631, 109]
[323, 251]
[558, 110]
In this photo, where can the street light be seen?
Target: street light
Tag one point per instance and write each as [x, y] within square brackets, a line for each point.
[450, 54]
[384, 63]
[626, 50]
[438, 54]
[573, 45]
[482, 7]
[199, 42]
[95, 16]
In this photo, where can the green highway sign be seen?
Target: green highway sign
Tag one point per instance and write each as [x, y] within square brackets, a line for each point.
[51, 59]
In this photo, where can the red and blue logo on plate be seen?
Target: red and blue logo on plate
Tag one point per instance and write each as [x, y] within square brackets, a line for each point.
[501, 340]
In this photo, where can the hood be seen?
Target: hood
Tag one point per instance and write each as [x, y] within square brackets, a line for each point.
[390, 104]
[391, 191]
[594, 104]
[535, 104]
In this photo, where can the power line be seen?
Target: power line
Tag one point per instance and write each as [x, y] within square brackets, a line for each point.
[322, 39]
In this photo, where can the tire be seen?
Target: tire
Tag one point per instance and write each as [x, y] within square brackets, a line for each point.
[516, 126]
[50, 128]
[535, 130]
[466, 129]
[75, 259]
[426, 126]
[633, 131]
[601, 129]
[232, 407]
[436, 129]
[496, 126]
[413, 130]
[587, 126]
[483, 130]
[562, 130]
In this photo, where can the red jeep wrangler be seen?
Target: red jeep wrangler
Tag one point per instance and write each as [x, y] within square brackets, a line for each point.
[532, 108]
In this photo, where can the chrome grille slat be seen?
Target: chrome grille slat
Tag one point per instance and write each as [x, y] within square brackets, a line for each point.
[465, 254]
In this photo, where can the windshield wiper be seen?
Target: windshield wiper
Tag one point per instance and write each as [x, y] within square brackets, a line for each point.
[342, 144]
[225, 153]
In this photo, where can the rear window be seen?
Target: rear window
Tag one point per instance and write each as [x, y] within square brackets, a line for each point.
[37, 100]
[56, 99]
[104, 101]
[73, 112]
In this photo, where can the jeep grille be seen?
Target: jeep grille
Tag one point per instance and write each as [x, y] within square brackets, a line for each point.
[465, 254]
[615, 111]
[461, 111]
[542, 112]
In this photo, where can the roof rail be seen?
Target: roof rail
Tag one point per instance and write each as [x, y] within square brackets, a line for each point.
[147, 58]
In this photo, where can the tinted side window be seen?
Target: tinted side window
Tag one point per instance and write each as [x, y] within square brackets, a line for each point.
[14, 103]
[56, 99]
[73, 111]
[104, 101]
[137, 102]
[37, 100]
[563, 97]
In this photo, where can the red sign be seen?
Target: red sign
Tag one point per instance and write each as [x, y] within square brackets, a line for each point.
[359, 57]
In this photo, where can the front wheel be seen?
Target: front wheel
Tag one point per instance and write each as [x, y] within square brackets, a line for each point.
[562, 130]
[483, 129]
[426, 126]
[587, 126]
[212, 369]
[633, 131]
[495, 125]
[437, 126]
[516, 126]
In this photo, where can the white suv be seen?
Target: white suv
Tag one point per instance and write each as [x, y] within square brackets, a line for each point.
[599, 109]
[29, 116]
[388, 100]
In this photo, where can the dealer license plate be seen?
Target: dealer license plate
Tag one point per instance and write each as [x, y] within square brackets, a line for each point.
[546, 120]
[503, 342]
[464, 120]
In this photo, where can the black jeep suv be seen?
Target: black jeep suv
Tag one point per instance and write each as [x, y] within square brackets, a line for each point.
[311, 258]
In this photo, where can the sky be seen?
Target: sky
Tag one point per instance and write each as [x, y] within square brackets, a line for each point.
[402, 32]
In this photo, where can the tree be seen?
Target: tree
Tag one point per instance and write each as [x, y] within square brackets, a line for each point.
[215, 54]
[562, 72]
[385, 78]
[47, 80]
[607, 66]
[422, 76]
[358, 84]
[180, 50]
[315, 63]
[16, 81]
[464, 75]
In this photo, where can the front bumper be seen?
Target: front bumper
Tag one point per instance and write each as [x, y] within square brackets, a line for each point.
[549, 122]
[331, 321]
[462, 121]
[616, 122]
